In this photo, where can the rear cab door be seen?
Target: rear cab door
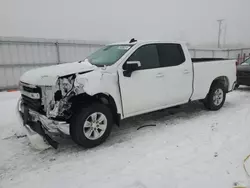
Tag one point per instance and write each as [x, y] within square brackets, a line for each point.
[178, 72]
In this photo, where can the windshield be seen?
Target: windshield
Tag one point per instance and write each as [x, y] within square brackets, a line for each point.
[246, 62]
[108, 55]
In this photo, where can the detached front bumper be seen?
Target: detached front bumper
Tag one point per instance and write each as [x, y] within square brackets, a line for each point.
[39, 129]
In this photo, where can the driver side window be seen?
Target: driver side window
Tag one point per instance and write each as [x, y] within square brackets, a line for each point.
[147, 55]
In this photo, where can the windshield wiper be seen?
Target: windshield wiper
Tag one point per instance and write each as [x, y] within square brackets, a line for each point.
[98, 65]
[81, 61]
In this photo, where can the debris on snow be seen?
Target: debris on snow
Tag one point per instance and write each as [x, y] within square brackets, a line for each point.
[15, 136]
[239, 185]
[52, 159]
[215, 154]
[149, 125]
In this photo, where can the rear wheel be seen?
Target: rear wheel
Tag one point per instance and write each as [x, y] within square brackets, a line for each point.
[91, 126]
[216, 97]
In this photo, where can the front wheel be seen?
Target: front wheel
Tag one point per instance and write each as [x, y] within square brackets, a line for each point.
[216, 97]
[91, 126]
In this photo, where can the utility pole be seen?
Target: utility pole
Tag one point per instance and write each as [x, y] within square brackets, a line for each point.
[225, 35]
[220, 23]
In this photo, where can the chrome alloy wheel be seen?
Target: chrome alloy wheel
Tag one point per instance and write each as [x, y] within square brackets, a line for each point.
[218, 97]
[95, 125]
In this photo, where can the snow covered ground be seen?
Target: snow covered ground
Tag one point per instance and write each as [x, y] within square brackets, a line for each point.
[188, 147]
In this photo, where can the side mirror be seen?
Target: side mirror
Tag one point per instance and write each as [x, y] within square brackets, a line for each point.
[131, 66]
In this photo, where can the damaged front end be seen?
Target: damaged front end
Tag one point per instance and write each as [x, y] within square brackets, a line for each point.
[45, 111]
[58, 105]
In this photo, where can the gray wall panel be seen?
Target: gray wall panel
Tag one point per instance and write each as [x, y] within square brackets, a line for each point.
[18, 55]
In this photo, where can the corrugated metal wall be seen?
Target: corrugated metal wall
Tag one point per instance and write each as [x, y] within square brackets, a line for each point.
[219, 53]
[18, 55]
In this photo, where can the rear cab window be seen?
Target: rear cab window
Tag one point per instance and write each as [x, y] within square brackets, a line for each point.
[170, 54]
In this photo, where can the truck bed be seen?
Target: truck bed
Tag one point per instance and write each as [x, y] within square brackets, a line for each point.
[205, 73]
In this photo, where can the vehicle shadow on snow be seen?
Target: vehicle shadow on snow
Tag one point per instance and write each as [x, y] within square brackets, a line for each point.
[160, 119]
[155, 120]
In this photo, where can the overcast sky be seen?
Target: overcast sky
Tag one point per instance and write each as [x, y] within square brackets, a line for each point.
[193, 21]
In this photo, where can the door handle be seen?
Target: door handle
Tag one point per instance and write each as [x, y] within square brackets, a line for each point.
[159, 75]
[186, 72]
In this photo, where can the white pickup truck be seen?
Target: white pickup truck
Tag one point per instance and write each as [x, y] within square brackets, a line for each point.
[84, 99]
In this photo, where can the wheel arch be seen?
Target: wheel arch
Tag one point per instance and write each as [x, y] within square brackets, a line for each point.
[218, 82]
[221, 79]
[103, 98]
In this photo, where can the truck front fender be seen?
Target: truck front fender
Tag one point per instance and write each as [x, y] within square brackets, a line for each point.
[93, 84]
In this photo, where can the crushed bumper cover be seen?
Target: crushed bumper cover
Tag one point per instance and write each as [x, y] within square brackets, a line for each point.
[39, 129]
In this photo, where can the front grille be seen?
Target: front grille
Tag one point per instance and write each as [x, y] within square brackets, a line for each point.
[32, 90]
[34, 104]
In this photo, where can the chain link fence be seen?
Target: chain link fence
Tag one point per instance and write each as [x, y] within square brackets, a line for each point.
[18, 55]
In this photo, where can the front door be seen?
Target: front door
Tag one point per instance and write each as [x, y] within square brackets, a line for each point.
[143, 91]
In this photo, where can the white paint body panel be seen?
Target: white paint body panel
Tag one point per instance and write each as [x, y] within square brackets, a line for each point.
[146, 90]
[102, 81]
[178, 80]
[153, 89]
[205, 73]
[142, 91]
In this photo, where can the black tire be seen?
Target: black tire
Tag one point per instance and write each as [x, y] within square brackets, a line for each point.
[209, 103]
[77, 122]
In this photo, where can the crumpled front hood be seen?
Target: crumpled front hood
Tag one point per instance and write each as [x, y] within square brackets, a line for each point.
[49, 75]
